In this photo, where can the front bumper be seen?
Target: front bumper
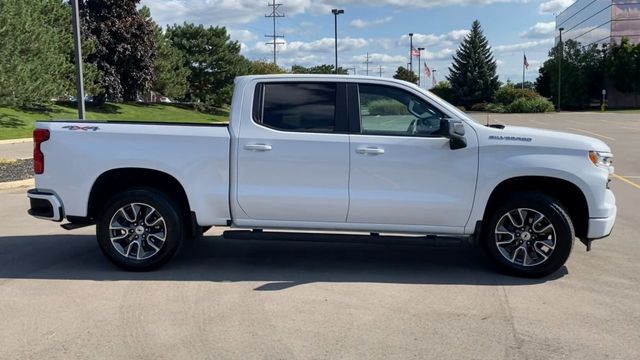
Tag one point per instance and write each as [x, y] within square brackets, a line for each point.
[45, 205]
[601, 227]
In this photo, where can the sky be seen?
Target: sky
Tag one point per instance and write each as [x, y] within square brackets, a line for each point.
[379, 27]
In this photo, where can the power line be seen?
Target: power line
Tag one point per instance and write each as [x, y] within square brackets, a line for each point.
[274, 14]
[366, 61]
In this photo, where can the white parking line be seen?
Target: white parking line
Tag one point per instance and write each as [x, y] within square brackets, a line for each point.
[592, 133]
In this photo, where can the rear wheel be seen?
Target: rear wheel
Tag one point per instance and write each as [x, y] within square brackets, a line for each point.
[530, 235]
[140, 229]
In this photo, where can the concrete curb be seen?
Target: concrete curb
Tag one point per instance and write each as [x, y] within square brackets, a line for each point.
[15, 141]
[17, 184]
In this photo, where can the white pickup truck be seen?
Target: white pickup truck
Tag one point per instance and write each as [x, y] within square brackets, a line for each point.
[327, 153]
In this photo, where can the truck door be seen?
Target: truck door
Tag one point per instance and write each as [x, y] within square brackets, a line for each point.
[403, 172]
[293, 156]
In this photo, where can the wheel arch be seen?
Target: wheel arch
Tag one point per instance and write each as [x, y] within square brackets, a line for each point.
[117, 180]
[568, 194]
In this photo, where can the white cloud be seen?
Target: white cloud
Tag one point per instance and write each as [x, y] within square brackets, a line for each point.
[380, 58]
[242, 35]
[359, 23]
[443, 54]
[324, 45]
[448, 39]
[540, 30]
[536, 44]
[554, 6]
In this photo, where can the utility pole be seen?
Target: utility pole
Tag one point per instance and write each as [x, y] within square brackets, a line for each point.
[560, 67]
[75, 19]
[411, 52]
[380, 70]
[274, 14]
[335, 13]
[366, 62]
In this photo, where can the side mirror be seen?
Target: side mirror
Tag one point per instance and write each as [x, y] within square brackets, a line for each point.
[454, 130]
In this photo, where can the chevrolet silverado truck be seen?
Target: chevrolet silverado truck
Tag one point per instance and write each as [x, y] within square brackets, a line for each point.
[327, 153]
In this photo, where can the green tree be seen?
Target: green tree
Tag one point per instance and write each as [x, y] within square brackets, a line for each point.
[444, 91]
[263, 67]
[35, 43]
[170, 72]
[623, 65]
[318, 69]
[473, 72]
[125, 51]
[213, 59]
[403, 73]
[582, 74]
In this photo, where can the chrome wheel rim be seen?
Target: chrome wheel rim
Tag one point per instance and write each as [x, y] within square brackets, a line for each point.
[525, 237]
[137, 231]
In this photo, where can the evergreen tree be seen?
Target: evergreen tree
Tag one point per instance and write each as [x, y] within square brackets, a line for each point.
[472, 74]
[169, 70]
[213, 59]
[124, 47]
[403, 73]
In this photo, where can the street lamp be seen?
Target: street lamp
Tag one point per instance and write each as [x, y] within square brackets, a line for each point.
[335, 13]
[560, 66]
[419, 73]
[411, 52]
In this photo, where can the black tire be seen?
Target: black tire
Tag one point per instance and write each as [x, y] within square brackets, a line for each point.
[555, 215]
[171, 228]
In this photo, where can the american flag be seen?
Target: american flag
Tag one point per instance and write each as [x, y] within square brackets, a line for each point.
[415, 52]
[525, 63]
[427, 71]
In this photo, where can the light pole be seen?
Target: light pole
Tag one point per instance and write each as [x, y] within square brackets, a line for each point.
[419, 73]
[560, 66]
[75, 14]
[433, 74]
[411, 52]
[335, 13]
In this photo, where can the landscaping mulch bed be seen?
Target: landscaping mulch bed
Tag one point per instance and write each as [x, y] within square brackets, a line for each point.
[16, 170]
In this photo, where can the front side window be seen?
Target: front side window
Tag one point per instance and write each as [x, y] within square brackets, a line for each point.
[385, 110]
[308, 107]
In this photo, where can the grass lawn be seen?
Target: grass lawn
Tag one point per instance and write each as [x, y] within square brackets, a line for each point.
[18, 123]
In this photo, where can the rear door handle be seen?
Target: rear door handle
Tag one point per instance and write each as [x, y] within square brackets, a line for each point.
[258, 147]
[370, 150]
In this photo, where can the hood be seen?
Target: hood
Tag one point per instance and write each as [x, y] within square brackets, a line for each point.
[547, 138]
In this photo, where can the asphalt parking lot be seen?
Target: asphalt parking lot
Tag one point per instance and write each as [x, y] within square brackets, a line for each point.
[245, 299]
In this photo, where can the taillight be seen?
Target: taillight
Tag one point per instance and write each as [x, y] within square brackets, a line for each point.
[39, 136]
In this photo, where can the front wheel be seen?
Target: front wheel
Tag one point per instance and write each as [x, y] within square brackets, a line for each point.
[530, 235]
[140, 229]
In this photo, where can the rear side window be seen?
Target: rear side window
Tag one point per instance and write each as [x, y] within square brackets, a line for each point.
[309, 107]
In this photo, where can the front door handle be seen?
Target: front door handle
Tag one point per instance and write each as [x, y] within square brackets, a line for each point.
[370, 150]
[258, 147]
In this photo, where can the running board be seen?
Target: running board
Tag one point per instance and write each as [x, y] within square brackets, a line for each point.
[438, 241]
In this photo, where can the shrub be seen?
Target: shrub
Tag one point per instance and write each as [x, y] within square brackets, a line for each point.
[387, 107]
[509, 93]
[495, 108]
[534, 105]
[479, 106]
[444, 91]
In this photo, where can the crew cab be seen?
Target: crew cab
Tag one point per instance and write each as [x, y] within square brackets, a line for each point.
[327, 153]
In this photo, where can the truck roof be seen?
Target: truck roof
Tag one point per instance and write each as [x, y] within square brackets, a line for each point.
[348, 78]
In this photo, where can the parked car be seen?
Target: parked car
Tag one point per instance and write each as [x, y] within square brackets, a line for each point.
[165, 100]
[322, 153]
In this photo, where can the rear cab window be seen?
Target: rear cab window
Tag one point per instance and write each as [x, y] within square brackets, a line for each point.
[299, 106]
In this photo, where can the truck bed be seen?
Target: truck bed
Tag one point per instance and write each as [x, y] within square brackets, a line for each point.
[196, 155]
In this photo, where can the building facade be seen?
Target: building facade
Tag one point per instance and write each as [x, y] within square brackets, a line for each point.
[600, 21]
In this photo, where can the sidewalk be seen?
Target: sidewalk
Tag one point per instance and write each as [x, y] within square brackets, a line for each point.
[16, 149]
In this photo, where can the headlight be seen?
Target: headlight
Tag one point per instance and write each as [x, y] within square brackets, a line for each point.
[602, 159]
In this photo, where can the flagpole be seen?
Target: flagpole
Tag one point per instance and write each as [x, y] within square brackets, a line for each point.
[523, 61]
